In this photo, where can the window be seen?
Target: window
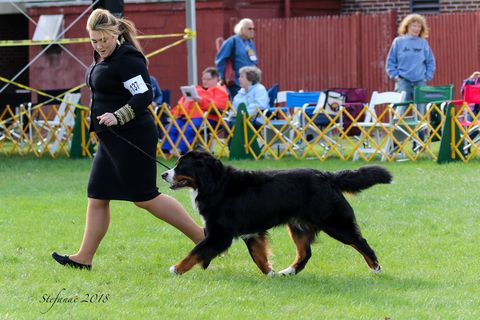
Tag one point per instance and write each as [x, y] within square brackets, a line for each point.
[425, 6]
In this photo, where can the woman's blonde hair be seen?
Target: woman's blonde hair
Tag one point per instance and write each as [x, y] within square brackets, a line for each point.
[105, 22]
[411, 18]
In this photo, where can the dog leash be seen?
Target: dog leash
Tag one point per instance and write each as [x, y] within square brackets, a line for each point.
[138, 148]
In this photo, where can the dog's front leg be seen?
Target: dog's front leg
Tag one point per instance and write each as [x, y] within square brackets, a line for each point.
[203, 253]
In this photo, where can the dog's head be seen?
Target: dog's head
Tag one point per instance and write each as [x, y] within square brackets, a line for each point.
[193, 170]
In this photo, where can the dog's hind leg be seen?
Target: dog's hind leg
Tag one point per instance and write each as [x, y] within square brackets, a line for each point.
[258, 248]
[302, 237]
[347, 232]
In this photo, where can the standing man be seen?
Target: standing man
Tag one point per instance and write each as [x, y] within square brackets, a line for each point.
[240, 49]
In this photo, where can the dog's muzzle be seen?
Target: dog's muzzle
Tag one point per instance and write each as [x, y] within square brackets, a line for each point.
[177, 181]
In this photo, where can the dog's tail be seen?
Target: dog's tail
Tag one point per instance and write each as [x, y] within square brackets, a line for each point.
[354, 181]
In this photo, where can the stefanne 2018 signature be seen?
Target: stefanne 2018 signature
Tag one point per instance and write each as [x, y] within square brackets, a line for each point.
[62, 298]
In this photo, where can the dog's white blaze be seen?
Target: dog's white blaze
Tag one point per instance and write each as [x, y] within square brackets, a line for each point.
[287, 272]
[170, 174]
[193, 197]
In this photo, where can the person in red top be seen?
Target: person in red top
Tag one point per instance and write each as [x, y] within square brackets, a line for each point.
[211, 95]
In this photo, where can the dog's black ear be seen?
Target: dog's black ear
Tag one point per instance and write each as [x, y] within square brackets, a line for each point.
[208, 170]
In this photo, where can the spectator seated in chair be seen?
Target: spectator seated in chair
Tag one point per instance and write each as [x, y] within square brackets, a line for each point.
[253, 94]
[190, 118]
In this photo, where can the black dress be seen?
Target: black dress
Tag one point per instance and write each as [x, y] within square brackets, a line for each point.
[119, 171]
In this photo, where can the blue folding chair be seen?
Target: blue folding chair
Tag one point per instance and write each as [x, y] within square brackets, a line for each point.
[272, 95]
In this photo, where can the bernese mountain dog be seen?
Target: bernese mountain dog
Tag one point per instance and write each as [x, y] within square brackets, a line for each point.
[245, 204]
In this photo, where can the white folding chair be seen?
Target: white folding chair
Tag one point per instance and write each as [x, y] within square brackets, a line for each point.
[59, 129]
[372, 139]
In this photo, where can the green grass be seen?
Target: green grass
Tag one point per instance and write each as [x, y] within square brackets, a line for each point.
[424, 229]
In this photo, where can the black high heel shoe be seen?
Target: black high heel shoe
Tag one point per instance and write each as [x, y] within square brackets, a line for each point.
[66, 261]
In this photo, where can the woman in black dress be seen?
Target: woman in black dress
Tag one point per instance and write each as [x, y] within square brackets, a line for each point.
[120, 94]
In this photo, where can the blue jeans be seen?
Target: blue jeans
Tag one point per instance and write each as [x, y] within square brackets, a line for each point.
[408, 86]
[188, 134]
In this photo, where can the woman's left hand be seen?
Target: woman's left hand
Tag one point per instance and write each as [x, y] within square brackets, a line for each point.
[108, 119]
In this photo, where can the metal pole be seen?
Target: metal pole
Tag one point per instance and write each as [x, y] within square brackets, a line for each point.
[192, 43]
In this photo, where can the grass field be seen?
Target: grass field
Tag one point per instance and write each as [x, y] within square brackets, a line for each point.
[424, 229]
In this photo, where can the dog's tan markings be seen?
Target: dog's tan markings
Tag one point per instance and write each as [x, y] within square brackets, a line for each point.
[374, 265]
[302, 243]
[259, 251]
[187, 263]
[179, 178]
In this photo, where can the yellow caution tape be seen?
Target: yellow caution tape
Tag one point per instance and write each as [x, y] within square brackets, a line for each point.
[14, 43]
[189, 34]
[52, 98]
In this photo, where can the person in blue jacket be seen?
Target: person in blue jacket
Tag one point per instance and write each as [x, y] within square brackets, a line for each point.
[241, 49]
[157, 92]
[253, 94]
[410, 61]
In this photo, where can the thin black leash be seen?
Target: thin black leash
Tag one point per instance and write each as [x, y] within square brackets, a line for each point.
[136, 147]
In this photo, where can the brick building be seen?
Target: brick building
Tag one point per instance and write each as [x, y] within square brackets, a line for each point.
[404, 7]
[215, 18]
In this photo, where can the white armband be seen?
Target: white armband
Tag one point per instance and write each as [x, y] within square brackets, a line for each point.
[136, 85]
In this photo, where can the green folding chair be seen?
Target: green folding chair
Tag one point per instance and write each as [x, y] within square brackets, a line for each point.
[413, 119]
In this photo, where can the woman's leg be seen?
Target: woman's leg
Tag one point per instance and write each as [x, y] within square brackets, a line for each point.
[96, 226]
[171, 211]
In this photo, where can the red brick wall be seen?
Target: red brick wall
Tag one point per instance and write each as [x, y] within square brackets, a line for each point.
[215, 18]
[402, 7]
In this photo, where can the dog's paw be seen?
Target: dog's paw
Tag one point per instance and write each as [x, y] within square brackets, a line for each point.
[174, 271]
[377, 269]
[271, 273]
[288, 272]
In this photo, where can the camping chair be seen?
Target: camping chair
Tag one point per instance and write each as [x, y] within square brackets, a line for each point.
[272, 95]
[355, 99]
[372, 137]
[281, 100]
[279, 123]
[468, 116]
[59, 130]
[411, 119]
[319, 122]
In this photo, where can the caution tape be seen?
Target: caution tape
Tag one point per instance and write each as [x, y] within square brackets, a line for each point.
[188, 35]
[52, 98]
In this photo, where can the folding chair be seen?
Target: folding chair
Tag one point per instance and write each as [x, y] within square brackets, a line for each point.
[355, 99]
[272, 95]
[412, 119]
[373, 130]
[278, 123]
[60, 128]
[319, 122]
[468, 116]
